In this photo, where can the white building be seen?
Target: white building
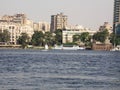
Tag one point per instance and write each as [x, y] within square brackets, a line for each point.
[15, 30]
[29, 23]
[68, 34]
[27, 29]
[35, 26]
[16, 24]
[12, 28]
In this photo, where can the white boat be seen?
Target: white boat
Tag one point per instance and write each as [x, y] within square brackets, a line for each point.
[45, 48]
[58, 47]
[117, 48]
[74, 47]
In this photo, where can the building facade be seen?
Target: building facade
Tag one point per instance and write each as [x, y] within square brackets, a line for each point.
[16, 25]
[106, 26]
[67, 34]
[36, 26]
[106, 47]
[58, 21]
[44, 26]
[15, 30]
[12, 28]
[116, 18]
[17, 18]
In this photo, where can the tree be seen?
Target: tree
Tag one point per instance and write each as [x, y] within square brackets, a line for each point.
[49, 39]
[23, 40]
[76, 38]
[115, 39]
[58, 36]
[85, 38]
[1, 37]
[37, 38]
[5, 36]
[101, 36]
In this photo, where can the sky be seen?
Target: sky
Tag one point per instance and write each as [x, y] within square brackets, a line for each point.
[88, 13]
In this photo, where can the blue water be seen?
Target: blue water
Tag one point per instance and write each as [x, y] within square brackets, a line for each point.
[59, 70]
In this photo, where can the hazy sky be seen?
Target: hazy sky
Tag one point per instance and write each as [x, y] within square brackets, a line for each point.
[89, 13]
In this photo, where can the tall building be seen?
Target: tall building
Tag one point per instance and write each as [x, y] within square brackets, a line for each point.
[116, 19]
[58, 21]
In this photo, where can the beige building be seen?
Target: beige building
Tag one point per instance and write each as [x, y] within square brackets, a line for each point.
[16, 25]
[68, 34]
[58, 21]
[17, 18]
[26, 29]
[29, 23]
[44, 26]
[107, 26]
[36, 26]
[13, 28]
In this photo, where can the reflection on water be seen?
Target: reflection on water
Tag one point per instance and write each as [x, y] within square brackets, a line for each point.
[59, 70]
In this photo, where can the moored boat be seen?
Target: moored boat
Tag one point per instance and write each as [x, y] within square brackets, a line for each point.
[45, 48]
[68, 47]
[117, 48]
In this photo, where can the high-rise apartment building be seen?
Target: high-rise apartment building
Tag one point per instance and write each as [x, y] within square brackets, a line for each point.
[58, 21]
[116, 19]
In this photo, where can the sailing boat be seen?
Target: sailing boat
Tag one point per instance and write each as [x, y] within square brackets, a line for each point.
[46, 47]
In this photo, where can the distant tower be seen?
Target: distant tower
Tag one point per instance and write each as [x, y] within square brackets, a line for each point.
[116, 19]
[58, 21]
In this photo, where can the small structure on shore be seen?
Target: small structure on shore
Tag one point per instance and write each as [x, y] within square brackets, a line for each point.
[106, 47]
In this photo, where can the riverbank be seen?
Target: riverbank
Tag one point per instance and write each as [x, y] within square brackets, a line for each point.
[20, 47]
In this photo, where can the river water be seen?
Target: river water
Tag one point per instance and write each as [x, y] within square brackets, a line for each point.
[59, 70]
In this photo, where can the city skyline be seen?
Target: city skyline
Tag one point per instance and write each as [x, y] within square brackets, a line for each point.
[90, 14]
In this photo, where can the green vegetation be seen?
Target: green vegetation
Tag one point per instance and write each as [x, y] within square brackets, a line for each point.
[40, 39]
[101, 36]
[23, 40]
[37, 38]
[58, 37]
[83, 37]
[115, 39]
[76, 38]
[5, 36]
[49, 39]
